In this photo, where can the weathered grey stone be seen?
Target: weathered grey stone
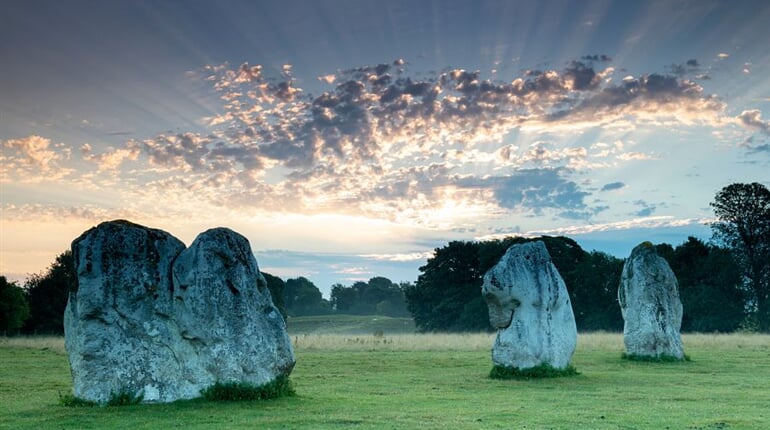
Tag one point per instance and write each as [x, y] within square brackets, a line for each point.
[129, 329]
[649, 302]
[225, 311]
[529, 305]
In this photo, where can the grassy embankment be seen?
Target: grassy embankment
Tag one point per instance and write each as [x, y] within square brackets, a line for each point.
[430, 381]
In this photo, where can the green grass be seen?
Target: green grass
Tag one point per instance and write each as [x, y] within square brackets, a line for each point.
[415, 382]
[349, 324]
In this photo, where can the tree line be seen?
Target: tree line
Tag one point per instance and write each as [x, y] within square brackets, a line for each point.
[300, 297]
[724, 284]
[446, 295]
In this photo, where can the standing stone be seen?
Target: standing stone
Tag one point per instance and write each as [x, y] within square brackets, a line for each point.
[649, 302]
[117, 322]
[529, 305]
[131, 329]
[225, 311]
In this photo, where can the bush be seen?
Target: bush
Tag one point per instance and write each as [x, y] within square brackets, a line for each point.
[121, 398]
[71, 401]
[662, 358]
[544, 370]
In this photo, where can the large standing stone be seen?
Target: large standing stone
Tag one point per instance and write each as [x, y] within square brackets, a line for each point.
[649, 302]
[130, 329]
[225, 311]
[529, 305]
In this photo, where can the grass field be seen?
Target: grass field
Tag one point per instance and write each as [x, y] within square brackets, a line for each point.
[349, 324]
[430, 381]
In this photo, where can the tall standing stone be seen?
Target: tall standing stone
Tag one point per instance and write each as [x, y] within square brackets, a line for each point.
[649, 301]
[133, 328]
[529, 305]
[116, 323]
[224, 310]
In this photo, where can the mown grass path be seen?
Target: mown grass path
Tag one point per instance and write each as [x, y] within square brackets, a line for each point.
[424, 382]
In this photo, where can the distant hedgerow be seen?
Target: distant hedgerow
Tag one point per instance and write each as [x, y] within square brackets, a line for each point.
[239, 391]
[538, 372]
[662, 358]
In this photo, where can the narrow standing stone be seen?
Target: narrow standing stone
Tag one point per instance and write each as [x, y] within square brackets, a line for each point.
[649, 301]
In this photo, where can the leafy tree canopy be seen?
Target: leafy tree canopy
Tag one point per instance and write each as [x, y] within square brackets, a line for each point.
[709, 286]
[301, 297]
[47, 295]
[447, 295]
[14, 309]
[743, 226]
[276, 285]
[378, 296]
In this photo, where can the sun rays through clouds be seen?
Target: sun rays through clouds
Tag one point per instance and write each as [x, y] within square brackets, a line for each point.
[432, 150]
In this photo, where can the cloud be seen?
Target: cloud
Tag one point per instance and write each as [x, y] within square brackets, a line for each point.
[356, 272]
[535, 191]
[754, 148]
[628, 156]
[646, 209]
[648, 98]
[373, 110]
[329, 79]
[752, 119]
[33, 159]
[430, 150]
[399, 257]
[647, 223]
[376, 134]
[596, 58]
[581, 76]
[111, 159]
[57, 213]
[613, 186]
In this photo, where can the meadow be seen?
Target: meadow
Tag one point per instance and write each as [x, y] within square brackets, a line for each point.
[425, 381]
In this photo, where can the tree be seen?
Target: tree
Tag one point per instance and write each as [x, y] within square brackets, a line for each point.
[302, 298]
[449, 280]
[47, 295]
[276, 285]
[593, 288]
[710, 286]
[343, 298]
[379, 296]
[14, 309]
[447, 293]
[743, 226]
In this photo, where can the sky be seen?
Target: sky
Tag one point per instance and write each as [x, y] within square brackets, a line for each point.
[349, 139]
